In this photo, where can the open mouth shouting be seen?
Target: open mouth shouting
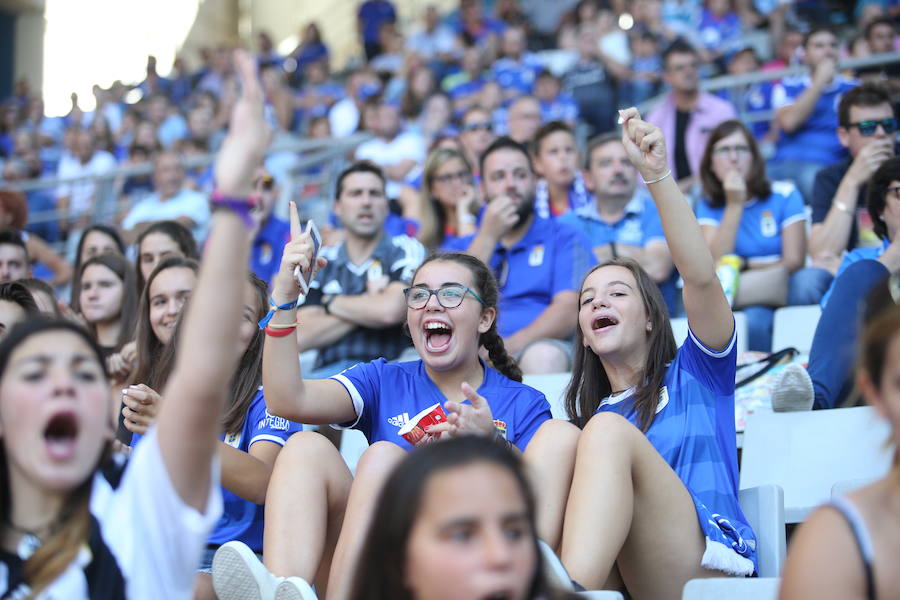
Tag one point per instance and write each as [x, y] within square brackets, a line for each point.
[437, 336]
[61, 435]
[603, 323]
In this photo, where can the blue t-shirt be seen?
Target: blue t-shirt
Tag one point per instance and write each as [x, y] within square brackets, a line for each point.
[579, 197]
[693, 430]
[268, 245]
[759, 232]
[387, 394]
[516, 75]
[561, 108]
[638, 226]
[718, 33]
[551, 257]
[241, 519]
[373, 13]
[816, 139]
[851, 257]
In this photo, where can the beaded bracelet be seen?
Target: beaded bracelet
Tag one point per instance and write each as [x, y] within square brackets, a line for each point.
[237, 205]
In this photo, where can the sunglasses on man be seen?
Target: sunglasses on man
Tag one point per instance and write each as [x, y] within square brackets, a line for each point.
[869, 127]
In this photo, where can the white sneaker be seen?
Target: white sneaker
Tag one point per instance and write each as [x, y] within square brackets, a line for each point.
[792, 389]
[238, 575]
[294, 588]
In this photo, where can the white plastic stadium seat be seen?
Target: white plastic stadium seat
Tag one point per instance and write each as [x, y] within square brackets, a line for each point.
[732, 588]
[764, 508]
[807, 452]
[553, 386]
[795, 326]
[680, 330]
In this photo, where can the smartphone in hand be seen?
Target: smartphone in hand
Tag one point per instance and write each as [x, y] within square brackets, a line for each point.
[304, 279]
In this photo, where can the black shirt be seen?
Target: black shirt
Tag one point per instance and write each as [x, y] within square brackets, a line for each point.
[824, 189]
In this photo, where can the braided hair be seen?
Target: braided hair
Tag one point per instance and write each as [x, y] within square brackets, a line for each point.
[486, 287]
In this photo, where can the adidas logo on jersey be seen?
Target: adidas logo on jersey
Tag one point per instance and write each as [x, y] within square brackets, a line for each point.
[399, 420]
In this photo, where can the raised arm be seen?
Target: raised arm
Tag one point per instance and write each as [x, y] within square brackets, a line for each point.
[791, 117]
[707, 309]
[188, 422]
[287, 394]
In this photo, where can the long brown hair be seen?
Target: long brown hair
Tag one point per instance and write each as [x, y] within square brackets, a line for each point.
[247, 376]
[72, 526]
[486, 288]
[590, 383]
[432, 216]
[129, 309]
[757, 184]
[149, 348]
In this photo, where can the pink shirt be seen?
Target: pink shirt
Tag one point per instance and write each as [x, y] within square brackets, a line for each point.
[709, 112]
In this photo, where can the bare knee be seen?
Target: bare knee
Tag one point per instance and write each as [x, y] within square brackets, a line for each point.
[307, 445]
[380, 458]
[544, 357]
[608, 429]
[554, 435]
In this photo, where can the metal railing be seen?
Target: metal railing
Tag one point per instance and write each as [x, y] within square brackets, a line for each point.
[305, 170]
[747, 79]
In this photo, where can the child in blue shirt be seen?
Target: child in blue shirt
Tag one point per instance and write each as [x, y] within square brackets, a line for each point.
[451, 314]
[649, 486]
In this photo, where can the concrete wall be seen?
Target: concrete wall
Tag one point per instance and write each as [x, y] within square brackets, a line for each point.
[28, 57]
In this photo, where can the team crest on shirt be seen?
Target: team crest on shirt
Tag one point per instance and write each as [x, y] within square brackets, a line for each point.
[767, 225]
[501, 428]
[265, 253]
[663, 399]
[536, 258]
[233, 439]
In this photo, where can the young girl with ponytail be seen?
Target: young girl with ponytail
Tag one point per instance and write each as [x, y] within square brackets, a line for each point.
[451, 314]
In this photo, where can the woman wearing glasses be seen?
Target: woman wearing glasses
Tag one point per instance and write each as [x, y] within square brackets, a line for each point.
[316, 514]
[761, 222]
[448, 201]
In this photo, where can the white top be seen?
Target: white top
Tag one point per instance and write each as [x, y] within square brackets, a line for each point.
[186, 203]
[406, 145]
[81, 193]
[150, 541]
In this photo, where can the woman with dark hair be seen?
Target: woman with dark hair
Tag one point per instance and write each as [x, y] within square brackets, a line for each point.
[249, 443]
[76, 524]
[763, 223]
[97, 239]
[451, 315]
[847, 548]
[454, 516]
[159, 241]
[650, 484]
[108, 302]
[16, 303]
[168, 288]
[418, 87]
[448, 201]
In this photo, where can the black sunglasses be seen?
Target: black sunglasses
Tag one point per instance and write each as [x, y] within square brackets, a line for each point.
[868, 128]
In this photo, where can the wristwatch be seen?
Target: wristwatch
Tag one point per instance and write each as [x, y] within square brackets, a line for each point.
[326, 303]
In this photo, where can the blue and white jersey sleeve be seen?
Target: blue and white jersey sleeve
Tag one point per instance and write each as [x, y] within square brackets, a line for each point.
[707, 215]
[406, 256]
[363, 382]
[265, 427]
[715, 369]
[792, 207]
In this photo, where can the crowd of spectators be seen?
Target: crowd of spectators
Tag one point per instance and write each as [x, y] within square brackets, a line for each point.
[493, 142]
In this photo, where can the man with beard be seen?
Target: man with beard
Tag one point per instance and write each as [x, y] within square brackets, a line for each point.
[355, 308]
[622, 220]
[538, 262]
